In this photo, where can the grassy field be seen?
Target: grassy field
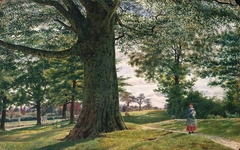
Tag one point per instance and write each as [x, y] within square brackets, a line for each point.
[141, 135]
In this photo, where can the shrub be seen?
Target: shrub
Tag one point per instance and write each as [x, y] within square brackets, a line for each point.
[28, 118]
[229, 115]
[211, 116]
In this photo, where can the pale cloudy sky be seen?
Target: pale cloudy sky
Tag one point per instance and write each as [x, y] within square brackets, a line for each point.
[157, 99]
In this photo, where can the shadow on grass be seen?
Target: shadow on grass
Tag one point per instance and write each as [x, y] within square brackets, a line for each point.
[62, 145]
[34, 132]
[62, 124]
[150, 117]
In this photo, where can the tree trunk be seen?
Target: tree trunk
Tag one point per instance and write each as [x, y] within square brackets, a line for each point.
[38, 113]
[3, 118]
[100, 112]
[64, 111]
[72, 103]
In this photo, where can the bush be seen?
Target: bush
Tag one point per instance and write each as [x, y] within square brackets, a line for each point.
[205, 107]
[28, 118]
[229, 115]
[211, 116]
[54, 117]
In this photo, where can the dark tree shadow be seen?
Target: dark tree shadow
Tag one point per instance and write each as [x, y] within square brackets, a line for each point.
[62, 145]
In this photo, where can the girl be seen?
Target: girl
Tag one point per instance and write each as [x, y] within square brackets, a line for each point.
[191, 120]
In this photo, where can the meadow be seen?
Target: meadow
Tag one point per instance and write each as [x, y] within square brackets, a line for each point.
[148, 130]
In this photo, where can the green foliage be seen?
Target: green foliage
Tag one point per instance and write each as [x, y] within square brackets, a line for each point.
[122, 83]
[30, 24]
[61, 74]
[223, 67]
[174, 38]
[236, 115]
[171, 48]
[224, 63]
[231, 102]
[32, 84]
[211, 116]
[204, 106]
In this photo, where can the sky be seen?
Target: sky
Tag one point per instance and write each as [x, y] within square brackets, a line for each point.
[139, 85]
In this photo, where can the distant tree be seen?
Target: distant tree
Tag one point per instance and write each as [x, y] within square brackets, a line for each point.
[35, 85]
[127, 98]
[66, 79]
[122, 83]
[9, 69]
[139, 100]
[230, 102]
[148, 103]
[4, 111]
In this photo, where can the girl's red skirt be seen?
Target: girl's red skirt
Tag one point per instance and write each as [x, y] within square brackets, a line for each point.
[191, 128]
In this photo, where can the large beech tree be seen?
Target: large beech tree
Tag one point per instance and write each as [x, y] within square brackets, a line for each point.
[95, 45]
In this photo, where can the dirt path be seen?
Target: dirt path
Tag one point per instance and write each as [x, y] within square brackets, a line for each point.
[226, 142]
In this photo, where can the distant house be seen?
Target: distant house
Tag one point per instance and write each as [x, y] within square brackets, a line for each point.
[77, 108]
[23, 110]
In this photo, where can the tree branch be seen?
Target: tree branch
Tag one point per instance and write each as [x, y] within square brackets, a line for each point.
[73, 9]
[112, 11]
[109, 10]
[66, 26]
[59, 8]
[104, 5]
[222, 2]
[228, 3]
[119, 37]
[38, 52]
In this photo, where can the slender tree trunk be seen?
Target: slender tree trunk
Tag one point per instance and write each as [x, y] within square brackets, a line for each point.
[127, 109]
[74, 83]
[38, 113]
[3, 118]
[64, 110]
[100, 112]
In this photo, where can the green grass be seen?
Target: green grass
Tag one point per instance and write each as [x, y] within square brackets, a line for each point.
[225, 128]
[48, 137]
[10, 125]
[143, 117]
